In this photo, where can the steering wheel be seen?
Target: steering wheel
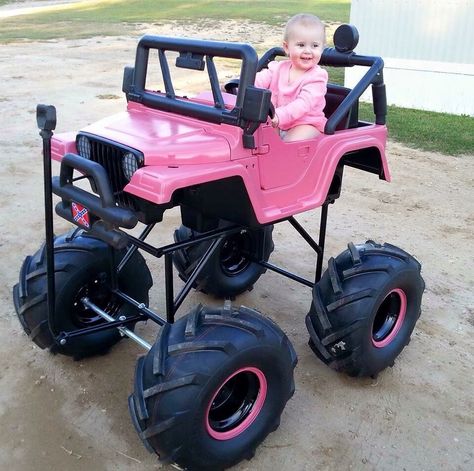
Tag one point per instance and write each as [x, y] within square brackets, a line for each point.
[232, 86]
[271, 111]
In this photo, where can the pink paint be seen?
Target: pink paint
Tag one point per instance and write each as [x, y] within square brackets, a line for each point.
[63, 143]
[399, 322]
[281, 178]
[256, 408]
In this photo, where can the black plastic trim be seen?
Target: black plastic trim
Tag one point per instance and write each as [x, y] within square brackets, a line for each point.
[110, 142]
[103, 205]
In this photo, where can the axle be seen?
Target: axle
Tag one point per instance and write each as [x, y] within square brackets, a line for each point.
[108, 318]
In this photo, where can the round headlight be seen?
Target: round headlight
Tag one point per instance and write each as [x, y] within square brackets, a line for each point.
[130, 164]
[84, 147]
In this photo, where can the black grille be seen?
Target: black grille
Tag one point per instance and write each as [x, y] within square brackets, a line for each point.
[109, 155]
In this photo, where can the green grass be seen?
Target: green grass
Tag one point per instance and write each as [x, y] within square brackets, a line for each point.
[90, 17]
[336, 75]
[439, 132]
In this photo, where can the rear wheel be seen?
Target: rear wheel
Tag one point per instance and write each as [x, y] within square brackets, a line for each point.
[365, 308]
[82, 269]
[230, 270]
[213, 387]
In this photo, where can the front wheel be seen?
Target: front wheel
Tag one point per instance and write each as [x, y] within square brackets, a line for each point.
[82, 269]
[365, 308]
[213, 387]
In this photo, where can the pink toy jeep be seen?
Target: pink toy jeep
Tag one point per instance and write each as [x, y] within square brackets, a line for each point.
[215, 382]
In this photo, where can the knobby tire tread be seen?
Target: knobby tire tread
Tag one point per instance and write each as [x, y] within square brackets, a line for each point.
[200, 321]
[365, 293]
[233, 322]
[197, 346]
[193, 322]
[161, 350]
[355, 255]
[31, 303]
[321, 313]
[173, 384]
[333, 275]
[23, 285]
[358, 270]
[339, 335]
[139, 399]
[30, 294]
[315, 343]
[213, 279]
[157, 429]
[339, 324]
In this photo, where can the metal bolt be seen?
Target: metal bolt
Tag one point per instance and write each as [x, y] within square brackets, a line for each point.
[122, 318]
[141, 306]
[62, 341]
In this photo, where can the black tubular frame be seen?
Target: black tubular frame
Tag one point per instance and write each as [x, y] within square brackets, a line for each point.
[215, 237]
[174, 302]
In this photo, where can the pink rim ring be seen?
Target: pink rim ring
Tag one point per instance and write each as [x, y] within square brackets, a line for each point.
[251, 415]
[400, 317]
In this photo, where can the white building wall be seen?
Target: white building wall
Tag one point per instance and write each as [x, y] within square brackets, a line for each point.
[427, 47]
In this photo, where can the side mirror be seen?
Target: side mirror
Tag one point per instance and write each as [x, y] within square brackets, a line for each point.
[190, 60]
[257, 102]
[346, 38]
[46, 117]
[128, 74]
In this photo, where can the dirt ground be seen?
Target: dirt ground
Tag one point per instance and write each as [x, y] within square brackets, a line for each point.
[419, 415]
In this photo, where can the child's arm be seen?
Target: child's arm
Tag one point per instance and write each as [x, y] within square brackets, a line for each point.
[263, 79]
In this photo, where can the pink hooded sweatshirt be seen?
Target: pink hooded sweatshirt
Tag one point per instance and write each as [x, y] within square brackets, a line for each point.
[299, 102]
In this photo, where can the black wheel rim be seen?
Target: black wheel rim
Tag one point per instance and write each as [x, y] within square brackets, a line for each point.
[233, 402]
[234, 253]
[98, 292]
[389, 318]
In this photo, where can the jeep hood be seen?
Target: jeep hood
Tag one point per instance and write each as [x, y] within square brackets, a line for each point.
[164, 138]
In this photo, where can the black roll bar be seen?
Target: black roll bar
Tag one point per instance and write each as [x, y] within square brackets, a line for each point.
[210, 49]
[374, 76]
[269, 56]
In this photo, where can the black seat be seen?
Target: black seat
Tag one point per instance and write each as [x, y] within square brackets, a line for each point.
[334, 96]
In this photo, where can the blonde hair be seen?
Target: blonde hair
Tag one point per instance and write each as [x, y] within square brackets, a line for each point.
[303, 19]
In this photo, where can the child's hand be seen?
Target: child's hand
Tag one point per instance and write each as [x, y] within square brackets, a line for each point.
[275, 121]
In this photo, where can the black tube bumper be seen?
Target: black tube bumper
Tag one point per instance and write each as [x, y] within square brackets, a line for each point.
[105, 216]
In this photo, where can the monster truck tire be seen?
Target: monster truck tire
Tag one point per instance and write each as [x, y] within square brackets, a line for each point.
[212, 387]
[364, 308]
[229, 271]
[82, 265]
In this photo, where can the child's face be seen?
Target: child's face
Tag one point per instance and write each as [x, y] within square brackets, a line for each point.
[305, 46]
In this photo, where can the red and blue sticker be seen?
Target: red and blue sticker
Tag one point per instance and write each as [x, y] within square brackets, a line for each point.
[80, 215]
